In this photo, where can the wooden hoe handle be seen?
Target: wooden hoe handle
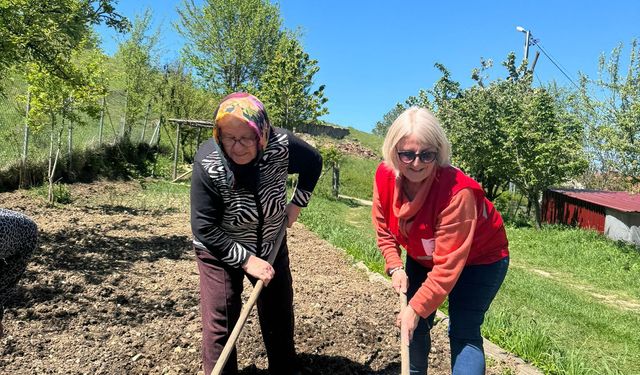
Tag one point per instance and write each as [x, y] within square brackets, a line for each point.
[244, 314]
[404, 349]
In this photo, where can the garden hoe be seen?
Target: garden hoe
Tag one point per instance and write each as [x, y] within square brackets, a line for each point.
[246, 309]
[404, 349]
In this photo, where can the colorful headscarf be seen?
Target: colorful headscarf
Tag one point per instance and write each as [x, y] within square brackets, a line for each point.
[247, 108]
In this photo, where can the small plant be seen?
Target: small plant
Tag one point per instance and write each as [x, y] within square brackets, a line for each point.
[61, 194]
[331, 156]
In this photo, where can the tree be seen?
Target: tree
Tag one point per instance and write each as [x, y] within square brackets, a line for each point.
[383, 125]
[544, 142]
[421, 100]
[230, 43]
[611, 115]
[45, 32]
[287, 86]
[52, 97]
[473, 124]
[186, 99]
[135, 57]
[507, 131]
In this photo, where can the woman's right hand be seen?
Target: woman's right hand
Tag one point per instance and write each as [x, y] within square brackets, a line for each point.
[399, 281]
[259, 268]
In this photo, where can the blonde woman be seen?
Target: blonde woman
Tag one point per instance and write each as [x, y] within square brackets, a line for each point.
[454, 238]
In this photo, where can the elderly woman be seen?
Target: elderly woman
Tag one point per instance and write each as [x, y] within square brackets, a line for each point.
[238, 204]
[454, 238]
[18, 239]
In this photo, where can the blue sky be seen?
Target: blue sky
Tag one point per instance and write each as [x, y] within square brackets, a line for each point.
[373, 54]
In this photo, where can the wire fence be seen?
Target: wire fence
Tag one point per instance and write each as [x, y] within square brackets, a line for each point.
[86, 133]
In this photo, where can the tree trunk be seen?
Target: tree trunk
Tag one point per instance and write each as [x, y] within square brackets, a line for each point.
[123, 133]
[533, 200]
[104, 104]
[25, 143]
[53, 163]
[70, 146]
[53, 129]
[336, 180]
[144, 125]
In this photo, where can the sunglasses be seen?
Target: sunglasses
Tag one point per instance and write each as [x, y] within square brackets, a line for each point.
[408, 157]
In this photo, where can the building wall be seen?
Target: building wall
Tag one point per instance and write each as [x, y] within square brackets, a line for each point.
[561, 209]
[623, 226]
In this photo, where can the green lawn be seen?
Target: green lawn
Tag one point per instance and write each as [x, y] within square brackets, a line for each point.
[356, 178]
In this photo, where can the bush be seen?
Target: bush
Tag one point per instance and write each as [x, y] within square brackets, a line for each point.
[513, 209]
[122, 160]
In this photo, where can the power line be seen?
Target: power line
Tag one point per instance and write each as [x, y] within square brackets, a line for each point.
[537, 43]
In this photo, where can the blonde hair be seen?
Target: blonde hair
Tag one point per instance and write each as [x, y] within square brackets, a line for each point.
[421, 123]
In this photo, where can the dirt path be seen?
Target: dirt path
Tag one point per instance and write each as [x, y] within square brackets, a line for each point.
[114, 290]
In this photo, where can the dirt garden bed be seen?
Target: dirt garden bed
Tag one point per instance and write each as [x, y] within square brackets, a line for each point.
[114, 290]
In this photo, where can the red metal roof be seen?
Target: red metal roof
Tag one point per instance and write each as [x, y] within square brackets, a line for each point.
[619, 200]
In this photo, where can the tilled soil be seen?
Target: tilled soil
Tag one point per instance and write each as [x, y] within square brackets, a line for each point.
[113, 289]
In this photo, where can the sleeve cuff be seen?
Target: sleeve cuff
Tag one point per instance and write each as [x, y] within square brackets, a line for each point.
[237, 256]
[301, 198]
[419, 309]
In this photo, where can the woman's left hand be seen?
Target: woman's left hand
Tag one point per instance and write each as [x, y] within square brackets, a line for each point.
[407, 321]
[292, 212]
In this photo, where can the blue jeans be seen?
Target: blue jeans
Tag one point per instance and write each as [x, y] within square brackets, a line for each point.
[468, 302]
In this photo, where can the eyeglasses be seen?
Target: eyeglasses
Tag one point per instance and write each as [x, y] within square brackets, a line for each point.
[408, 157]
[229, 142]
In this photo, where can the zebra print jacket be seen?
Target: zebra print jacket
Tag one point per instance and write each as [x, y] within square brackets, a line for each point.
[233, 218]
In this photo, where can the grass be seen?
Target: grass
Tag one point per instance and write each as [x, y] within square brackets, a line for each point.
[548, 311]
[581, 258]
[156, 196]
[346, 230]
[356, 178]
[371, 141]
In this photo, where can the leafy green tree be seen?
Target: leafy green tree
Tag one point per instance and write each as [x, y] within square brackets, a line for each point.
[287, 86]
[186, 99]
[136, 59]
[383, 125]
[473, 124]
[230, 42]
[52, 97]
[544, 142]
[45, 32]
[609, 108]
[507, 131]
[420, 100]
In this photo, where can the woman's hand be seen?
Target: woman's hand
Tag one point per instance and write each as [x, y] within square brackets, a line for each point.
[399, 281]
[259, 268]
[292, 211]
[407, 321]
